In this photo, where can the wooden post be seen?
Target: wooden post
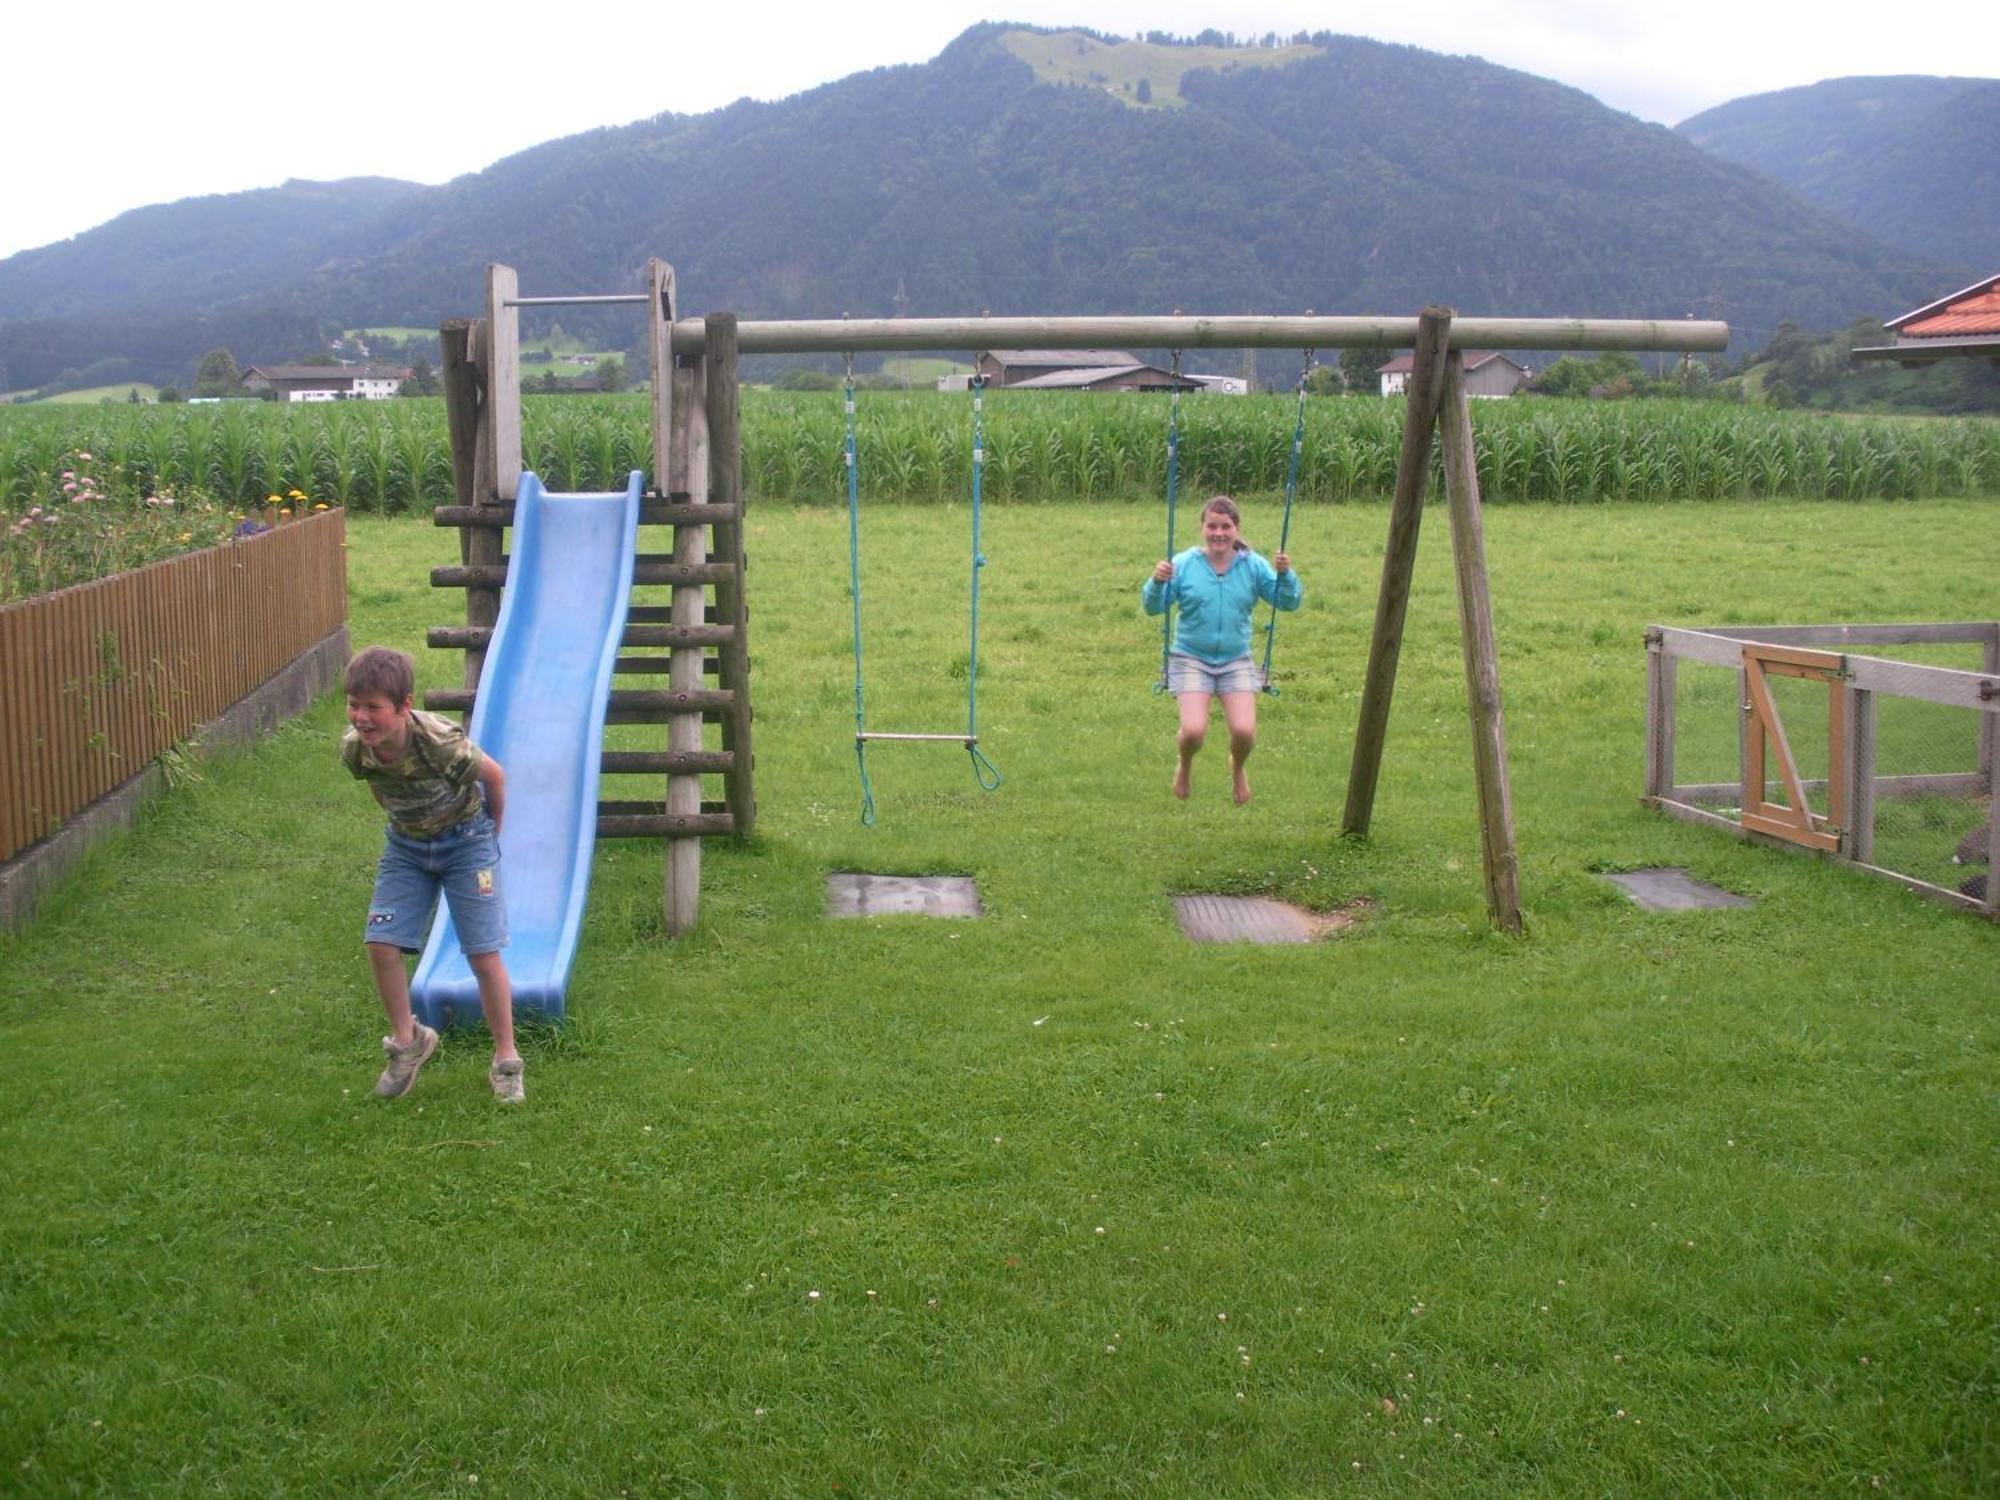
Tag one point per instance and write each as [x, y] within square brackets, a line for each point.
[683, 874]
[503, 379]
[1857, 840]
[1405, 517]
[478, 546]
[482, 546]
[1989, 724]
[1482, 653]
[460, 377]
[660, 346]
[725, 487]
[1661, 677]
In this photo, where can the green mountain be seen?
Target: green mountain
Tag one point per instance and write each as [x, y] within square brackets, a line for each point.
[1911, 160]
[1036, 171]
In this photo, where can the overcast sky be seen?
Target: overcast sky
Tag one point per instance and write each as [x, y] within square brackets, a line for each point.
[111, 106]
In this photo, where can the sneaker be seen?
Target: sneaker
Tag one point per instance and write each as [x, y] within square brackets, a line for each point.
[403, 1061]
[506, 1080]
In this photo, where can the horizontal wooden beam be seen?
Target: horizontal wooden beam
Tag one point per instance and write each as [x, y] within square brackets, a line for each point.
[651, 513]
[493, 576]
[836, 336]
[463, 637]
[667, 762]
[648, 809]
[651, 701]
[666, 825]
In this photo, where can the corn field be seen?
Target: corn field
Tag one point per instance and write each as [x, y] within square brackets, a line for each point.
[1039, 446]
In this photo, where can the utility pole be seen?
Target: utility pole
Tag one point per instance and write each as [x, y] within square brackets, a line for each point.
[902, 304]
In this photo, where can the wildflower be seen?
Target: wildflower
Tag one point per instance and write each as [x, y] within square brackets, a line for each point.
[69, 487]
[274, 499]
[85, 457]
[296, 494]
[320, 506]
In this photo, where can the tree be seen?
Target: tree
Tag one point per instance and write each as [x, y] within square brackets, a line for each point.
[611, 373]
[1361, 369]
[132, 397]
[217, 375]
[423, 379]
[1145, 91]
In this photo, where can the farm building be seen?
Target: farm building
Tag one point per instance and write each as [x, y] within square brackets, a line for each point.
[1075, 370]
[1965, 324]
[327, 382]
[1486, 374]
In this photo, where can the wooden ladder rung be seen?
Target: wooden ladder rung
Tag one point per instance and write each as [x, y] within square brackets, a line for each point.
[647, 570]
[651, 513]
[478, 637]
[653, 703]
[666, 762]
[665, 825]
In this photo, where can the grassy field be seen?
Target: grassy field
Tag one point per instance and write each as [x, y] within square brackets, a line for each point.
[1119, 67]
[1051, 1202]
[98, 394]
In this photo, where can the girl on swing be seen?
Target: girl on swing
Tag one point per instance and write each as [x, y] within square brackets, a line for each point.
[1217, 586]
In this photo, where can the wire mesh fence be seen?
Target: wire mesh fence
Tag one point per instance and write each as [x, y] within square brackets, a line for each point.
[1884, 758]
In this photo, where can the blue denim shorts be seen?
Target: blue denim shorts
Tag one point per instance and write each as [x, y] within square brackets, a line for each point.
[1190, 674]
[464, 862]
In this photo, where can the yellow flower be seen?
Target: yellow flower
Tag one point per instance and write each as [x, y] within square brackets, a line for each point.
[320, 506]
[296, 494]
[273, 499]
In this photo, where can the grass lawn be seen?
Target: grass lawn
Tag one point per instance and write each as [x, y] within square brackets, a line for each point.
[1052, 1202]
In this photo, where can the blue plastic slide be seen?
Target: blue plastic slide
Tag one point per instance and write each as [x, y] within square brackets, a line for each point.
[540, 713]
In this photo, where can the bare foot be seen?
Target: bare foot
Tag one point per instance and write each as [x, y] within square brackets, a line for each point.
[1242, 788]
[1181, 783]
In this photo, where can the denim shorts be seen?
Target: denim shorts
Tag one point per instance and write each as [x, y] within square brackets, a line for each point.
[1190, 674]
[463, 861]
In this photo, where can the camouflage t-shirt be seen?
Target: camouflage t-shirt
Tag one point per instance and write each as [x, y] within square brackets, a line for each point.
[434, 786]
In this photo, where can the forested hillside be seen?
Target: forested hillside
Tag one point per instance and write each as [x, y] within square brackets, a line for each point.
[1349, 176]
[1909, 160]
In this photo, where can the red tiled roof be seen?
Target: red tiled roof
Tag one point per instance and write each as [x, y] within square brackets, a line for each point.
[1976, 314]
[1975, 310]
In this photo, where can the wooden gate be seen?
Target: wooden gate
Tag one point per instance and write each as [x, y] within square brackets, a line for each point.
[1764, 731]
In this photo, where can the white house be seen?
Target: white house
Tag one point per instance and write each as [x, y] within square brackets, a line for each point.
[327, 382]
[1486, 374]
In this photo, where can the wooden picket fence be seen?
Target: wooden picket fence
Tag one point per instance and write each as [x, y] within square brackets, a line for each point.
[98, 680]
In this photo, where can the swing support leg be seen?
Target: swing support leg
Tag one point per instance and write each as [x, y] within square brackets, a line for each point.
[1413, 467]
[1437, 401]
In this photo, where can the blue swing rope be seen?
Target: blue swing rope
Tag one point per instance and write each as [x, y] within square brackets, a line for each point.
[854, 588]
[983, 769]
[1173, 493]
[1285, 530]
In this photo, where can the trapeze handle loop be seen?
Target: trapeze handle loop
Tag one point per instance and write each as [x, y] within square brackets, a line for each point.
[983, 770]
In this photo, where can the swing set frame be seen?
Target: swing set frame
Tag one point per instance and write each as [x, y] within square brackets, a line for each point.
[1436, 408]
